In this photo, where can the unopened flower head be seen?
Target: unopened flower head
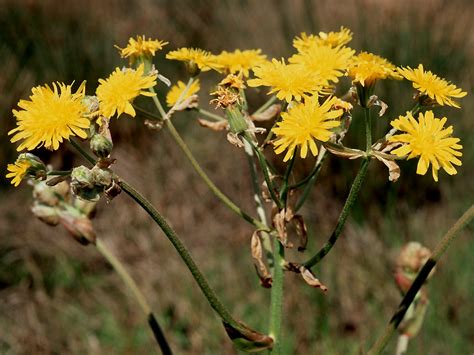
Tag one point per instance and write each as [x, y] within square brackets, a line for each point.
[194, 57]
[177, 90]
[437, 89]
[329, 63]
[288, 81]
[240, 62]
[304, 124]
[117, 92]
[331, 39]
[50, 116]
[428, 139]
[366, 68]
[141, 48]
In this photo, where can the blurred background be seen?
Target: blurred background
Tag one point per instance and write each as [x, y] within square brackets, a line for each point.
[59, 297]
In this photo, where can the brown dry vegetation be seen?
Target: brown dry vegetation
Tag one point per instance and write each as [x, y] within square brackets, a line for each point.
[59, 297]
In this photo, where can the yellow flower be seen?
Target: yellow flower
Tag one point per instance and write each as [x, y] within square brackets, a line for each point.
[116, 93]
[286, 80]
[428, 139]
[50, 116]
[240, 61]
[192, 56]
[331, 39]
[432, 85]
[141, 47]
[176, 91]
[365, 68]
[18, 170]
[328, 62]
[305, 123]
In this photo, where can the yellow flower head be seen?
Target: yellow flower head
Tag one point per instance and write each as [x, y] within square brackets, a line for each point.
[305, 123]
[427, 139]
[328, 62]
[240, 61]
[192, 56]
[18, 170]
[140, 47]
[432, 85]
[331, 39]
[176, 91]
[50, 116]
[233, 81]
[365, 68]
[116, 93]
[288, 81]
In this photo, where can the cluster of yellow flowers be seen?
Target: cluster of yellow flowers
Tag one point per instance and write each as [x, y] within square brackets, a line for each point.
[305, 82]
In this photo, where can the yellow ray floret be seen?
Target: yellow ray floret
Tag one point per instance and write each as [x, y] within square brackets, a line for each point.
[428, 139]
[329, 63]
[304, 124]
[17, 171]
[50, 116]
[365, 68]
[331, 39]
[176, 91]
[240, 61]
[204, 60]
[116, 93]
[288, 81]
[140, 47]
[432, 85]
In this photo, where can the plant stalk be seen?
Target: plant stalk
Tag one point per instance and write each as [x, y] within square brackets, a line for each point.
[135, 290]
[420, 279]
[276, 305]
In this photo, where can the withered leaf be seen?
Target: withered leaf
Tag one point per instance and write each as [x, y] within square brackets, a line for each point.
[268, 114]
[311, 280]
[215, 126]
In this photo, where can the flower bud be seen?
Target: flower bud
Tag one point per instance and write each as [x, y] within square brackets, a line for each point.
[237, 122]
[49, 195]
[37, 168]
[83, 184]
[101, 146]
[91, 103]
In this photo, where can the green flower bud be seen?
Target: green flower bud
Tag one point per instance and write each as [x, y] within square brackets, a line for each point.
[237, 122]
[101, 146]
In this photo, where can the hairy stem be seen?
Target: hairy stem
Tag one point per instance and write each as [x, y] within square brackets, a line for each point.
[420, 279]
[276, 305]
[211, 296]
[351, 198]
[135, 290]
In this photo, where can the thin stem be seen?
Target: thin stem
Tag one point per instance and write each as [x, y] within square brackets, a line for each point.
[276, 305]
[210, 115]
[135, 290]
[226, 200]
[184, 254]
[60, 172]
[266, 105]
[420, 279]
[284, 187]
[81, 150]
[310, 179]
[266, 242]
[263, 165]
[351, 198]
[158, 105]
[147, 113]
[219, 194]
[368, 129]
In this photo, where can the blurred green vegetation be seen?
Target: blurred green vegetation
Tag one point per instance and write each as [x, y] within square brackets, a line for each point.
[58, 297]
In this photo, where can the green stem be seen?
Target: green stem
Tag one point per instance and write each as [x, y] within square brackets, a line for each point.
[135, 290]
[266, 105]
[351, 198]
[59, 172]
[209, 182]
[184, 254]
[368, 129]
[81, 150]
[276, 305]
[284, 187]
[310, 179]
[210, 115]
[420, 279]
[263, 165]
[266, 242]
[147, 113]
